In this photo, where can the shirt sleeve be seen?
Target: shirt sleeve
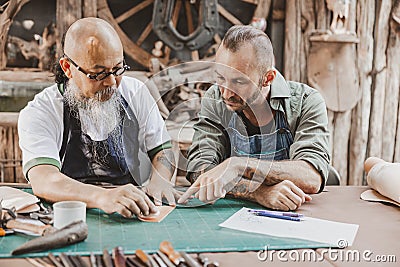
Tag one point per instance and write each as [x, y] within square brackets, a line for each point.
[210, 140]
[311, 140]
[38, 139]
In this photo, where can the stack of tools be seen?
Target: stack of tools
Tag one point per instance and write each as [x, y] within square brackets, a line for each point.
[166, 256]
[49, 237]
[10, 222]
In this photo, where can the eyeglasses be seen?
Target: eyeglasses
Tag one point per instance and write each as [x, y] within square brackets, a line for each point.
[103, 74]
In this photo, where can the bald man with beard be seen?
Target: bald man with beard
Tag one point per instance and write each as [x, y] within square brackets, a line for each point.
[89, 127]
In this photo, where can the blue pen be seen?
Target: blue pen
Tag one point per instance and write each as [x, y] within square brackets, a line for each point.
[271, 215]
[282, 213]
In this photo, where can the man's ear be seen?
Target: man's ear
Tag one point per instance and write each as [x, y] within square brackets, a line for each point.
[66, 67]
[269, 76]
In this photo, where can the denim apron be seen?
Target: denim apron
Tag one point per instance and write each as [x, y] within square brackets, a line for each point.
[274, 145]
[116, 166]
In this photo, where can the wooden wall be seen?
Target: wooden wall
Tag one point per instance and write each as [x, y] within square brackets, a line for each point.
[371, 127]
[10, 153]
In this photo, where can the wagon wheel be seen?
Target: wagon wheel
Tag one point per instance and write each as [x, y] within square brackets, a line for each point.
[139, 43]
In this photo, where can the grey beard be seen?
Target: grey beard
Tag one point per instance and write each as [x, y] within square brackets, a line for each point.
[98, 119]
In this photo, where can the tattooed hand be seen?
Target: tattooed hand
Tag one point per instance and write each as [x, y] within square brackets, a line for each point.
[215, 183]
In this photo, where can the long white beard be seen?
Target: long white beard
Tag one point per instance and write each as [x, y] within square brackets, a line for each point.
[98, 118]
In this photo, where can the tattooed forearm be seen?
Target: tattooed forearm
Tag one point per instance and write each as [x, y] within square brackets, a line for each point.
[241, 190]
[166, 158]
[193, 176]
[262, 172]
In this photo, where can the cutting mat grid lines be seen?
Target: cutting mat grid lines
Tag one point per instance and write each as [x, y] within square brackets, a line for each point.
[188, 229]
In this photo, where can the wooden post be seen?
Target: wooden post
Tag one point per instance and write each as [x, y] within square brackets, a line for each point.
[394, 67]
[341, 135]
[307, 25]
[67, 12]
[10, 154]
[361, 113]
[321, 13]
[292, 52]
[263, 8]
[89, 8]
[380, 71]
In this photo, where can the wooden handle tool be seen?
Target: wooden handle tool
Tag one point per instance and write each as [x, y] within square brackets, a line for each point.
[167, 248]
[145, 258]
[107, 259]
[37, 229]
[118, 257]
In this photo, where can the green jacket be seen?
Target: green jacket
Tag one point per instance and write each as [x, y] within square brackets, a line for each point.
[305, 112]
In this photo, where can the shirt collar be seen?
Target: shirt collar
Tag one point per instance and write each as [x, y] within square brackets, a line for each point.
[279, 89]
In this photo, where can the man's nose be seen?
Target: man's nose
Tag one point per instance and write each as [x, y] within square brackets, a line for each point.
[226, 93]
[110, 80]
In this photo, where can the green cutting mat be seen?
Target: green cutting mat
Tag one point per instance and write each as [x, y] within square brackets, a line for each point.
[188, 229]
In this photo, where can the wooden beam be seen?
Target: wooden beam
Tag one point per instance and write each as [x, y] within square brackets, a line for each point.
[393, 84]
[231, 18]
[361, 113]
[292, 53]
[133, 50]
[262, 9]
[254, 2]
[89, 8]
[133, 11]
[67, 12]
[144, 34]
[379, 71]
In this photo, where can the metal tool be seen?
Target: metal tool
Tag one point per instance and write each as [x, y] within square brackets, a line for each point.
[99, 260]
[206, 262]
[165, 259]
[107, 259]
[92, 259]
[145, 258]
[8, 221]
[167, 248]
[70, 234]
[189, 260]
[38, 262]
[54, 260]
[160, 262]
[80, 261]
[44, 218]
[65, 260]
[75, 260]
[118, 257]
[134, 261]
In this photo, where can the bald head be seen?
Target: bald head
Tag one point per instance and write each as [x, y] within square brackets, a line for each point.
[92, 39]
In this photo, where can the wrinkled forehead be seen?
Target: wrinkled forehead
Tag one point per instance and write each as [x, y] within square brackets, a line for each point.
[229, 72]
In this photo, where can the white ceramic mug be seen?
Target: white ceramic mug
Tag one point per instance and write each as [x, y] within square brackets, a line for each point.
[66, 212]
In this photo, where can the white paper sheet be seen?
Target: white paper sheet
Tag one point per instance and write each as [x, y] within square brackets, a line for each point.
[335, 233]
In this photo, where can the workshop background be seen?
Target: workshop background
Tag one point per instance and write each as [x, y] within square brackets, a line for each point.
[347, 49]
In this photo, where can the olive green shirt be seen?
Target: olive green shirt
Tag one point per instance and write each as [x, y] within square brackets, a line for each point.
[305, 112]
